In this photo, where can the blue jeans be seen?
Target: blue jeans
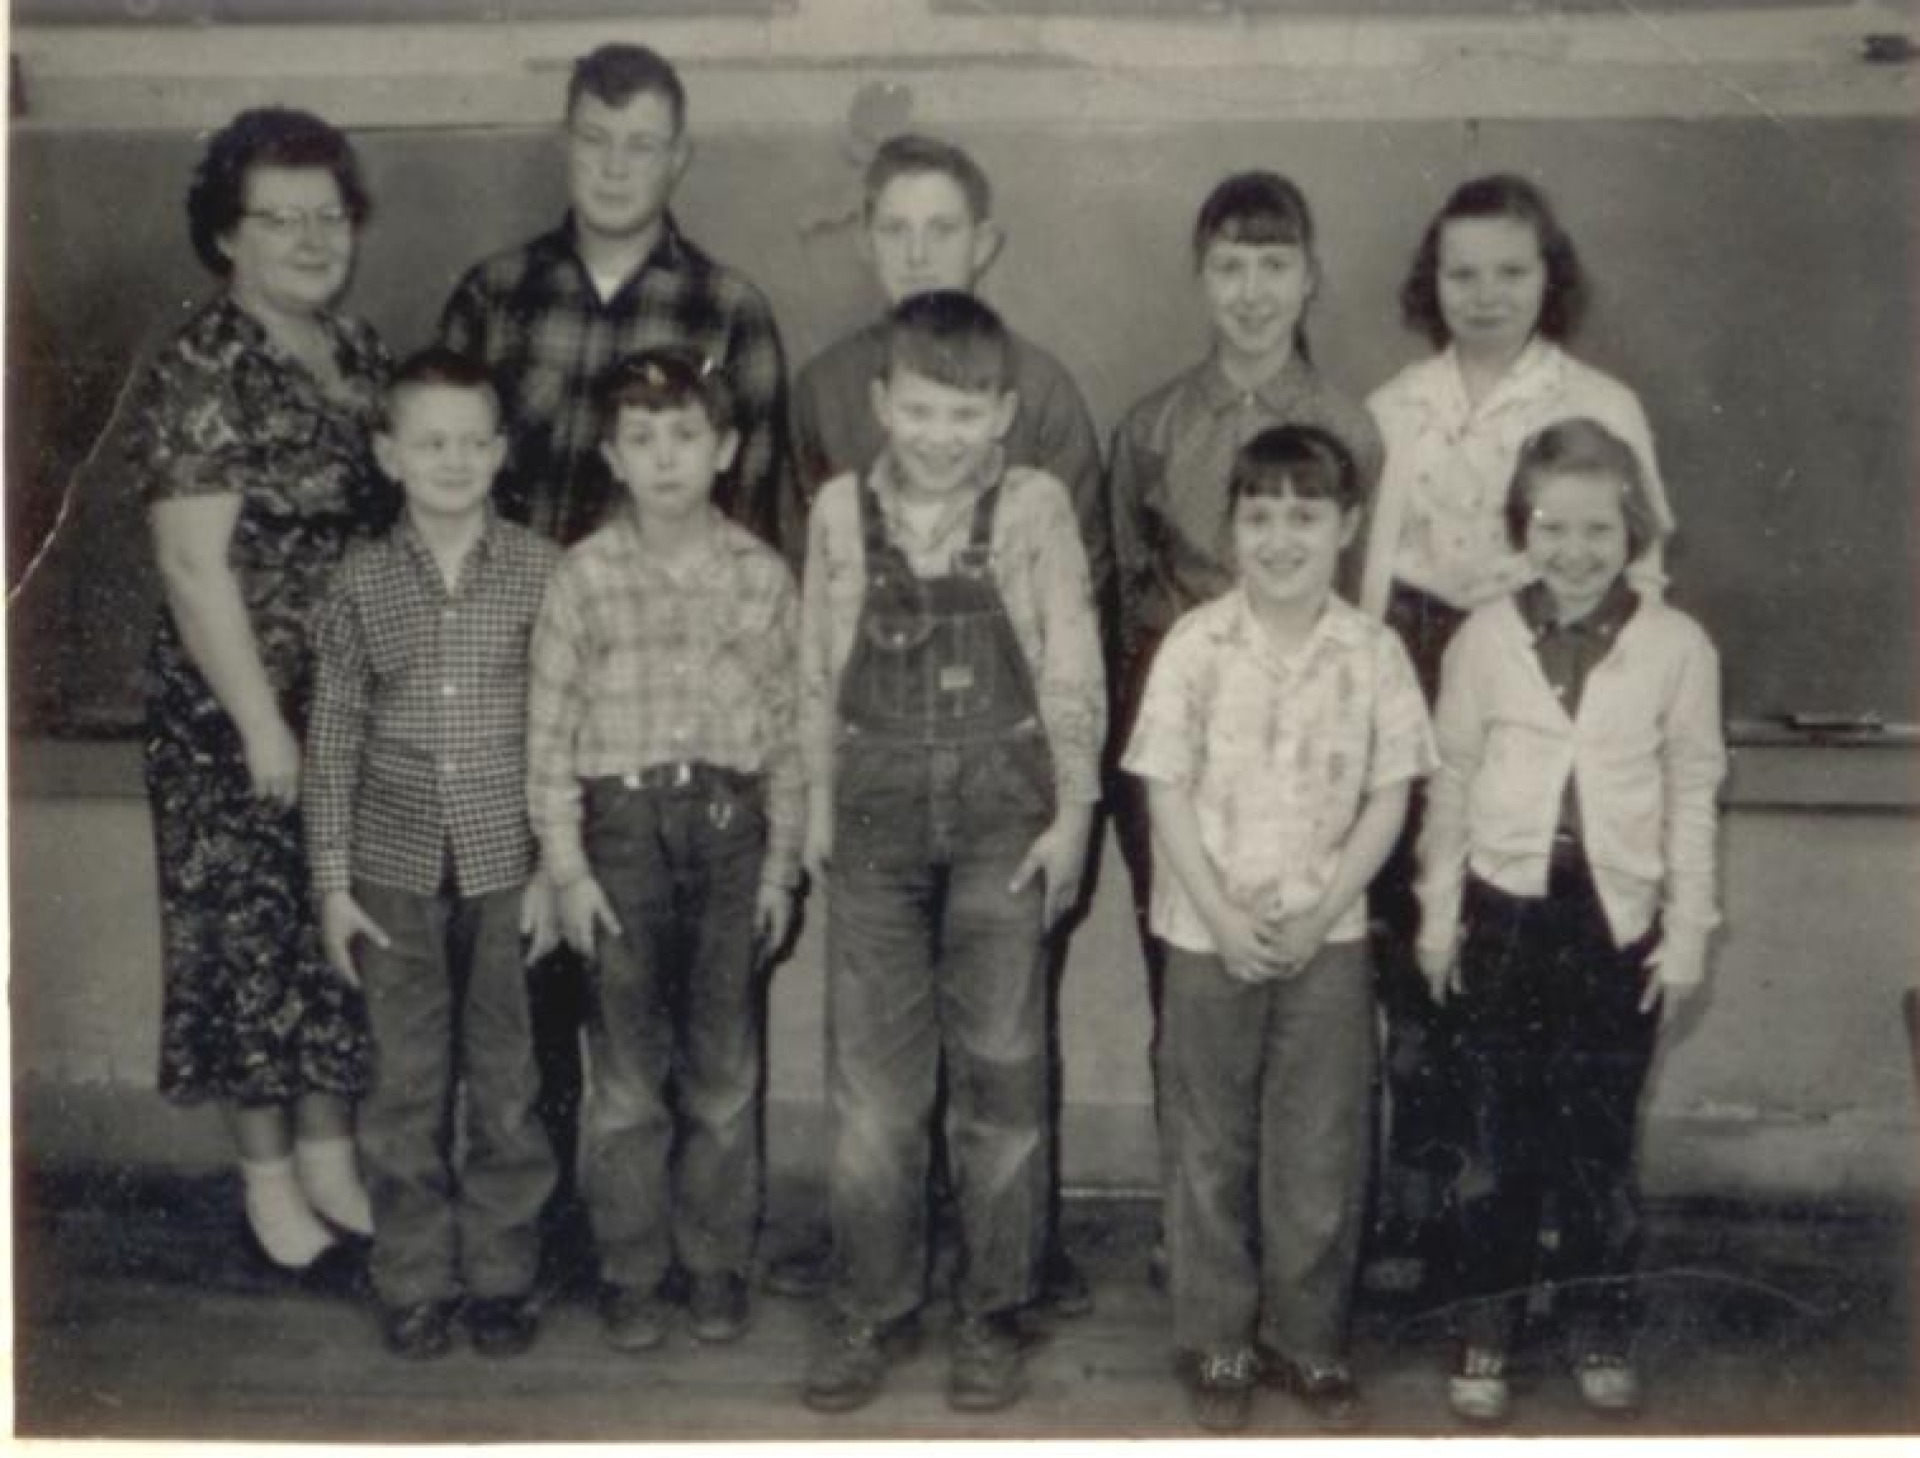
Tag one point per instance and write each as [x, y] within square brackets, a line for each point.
[1553, 1057]
[1264, 1126]
[930, 957]
[673, 1028]
[448, 1005]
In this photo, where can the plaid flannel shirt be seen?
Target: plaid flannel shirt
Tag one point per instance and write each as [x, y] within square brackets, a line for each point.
[638, 664]
[416, 748]
[533, 316]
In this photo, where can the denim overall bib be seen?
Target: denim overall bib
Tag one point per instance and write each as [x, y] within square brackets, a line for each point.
[937, 697]
[943, 781]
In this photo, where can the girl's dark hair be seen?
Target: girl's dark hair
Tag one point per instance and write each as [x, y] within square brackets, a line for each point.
[1500, 195]
[1296, 460]
[1581, 447]
[267, 136]
[1253, 208]
[1258, 209]
[669, 377]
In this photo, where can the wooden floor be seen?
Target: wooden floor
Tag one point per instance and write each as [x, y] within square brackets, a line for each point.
[134, 1320]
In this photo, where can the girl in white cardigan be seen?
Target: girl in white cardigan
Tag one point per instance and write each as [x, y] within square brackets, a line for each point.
[1567, 893]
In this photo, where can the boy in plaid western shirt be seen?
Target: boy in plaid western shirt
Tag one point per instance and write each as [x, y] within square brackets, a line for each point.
[618, 275]
[423, 863]
[665, 784]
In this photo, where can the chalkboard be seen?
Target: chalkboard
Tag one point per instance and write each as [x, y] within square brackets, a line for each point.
[1754, 282]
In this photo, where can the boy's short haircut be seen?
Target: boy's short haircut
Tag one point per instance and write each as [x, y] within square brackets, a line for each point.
[438, 365]
[668, 377]
[1303, 461]
[1254, 208]
[1498, 195]
[614, 74]
[951, 338]
[910, 154]
[1581, 447]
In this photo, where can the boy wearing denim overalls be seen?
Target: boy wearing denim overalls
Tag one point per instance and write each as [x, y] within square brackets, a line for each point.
[952, 708]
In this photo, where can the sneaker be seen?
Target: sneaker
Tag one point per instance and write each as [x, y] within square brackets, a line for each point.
[632, 1320]
[1608, 1383]
[1325, 1389]
[1220, 1387]
[984, 1372]
[1064, 1291]
[717, 1307]
[420, 1330]
[800, 1274]
[850, 1360]
[501, 1326]
[1477, 1391]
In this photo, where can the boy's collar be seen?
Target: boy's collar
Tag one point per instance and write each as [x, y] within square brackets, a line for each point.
[627, 520]
[409, 531]
[666, 251]
[885, 478]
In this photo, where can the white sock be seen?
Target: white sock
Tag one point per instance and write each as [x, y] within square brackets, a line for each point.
[331, 1179]
[282, 1221]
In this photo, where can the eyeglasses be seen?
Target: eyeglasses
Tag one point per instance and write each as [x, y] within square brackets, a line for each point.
[288, 222]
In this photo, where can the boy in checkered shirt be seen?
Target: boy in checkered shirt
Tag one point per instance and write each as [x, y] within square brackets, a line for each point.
[423, 862]
[664, 778]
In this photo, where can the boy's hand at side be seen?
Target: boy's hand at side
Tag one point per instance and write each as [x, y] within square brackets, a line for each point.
[539, 918]
[341, 920]
[772, 918]
[1675, 971]
[816, 849]
[584, 908]
[1059, 857]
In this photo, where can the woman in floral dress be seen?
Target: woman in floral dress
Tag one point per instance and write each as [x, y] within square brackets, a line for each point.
[251, 450]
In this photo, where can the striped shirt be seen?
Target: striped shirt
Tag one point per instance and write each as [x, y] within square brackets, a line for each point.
[639, 662]
[416, 750]
[534, 317]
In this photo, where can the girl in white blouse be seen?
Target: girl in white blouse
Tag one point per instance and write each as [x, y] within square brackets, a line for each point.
[1496, 285]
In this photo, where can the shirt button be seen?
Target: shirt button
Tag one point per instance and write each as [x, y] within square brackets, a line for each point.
[448, 690]
[449, 767]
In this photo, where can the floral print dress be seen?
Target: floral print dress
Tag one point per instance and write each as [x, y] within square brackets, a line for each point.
[251, 1011]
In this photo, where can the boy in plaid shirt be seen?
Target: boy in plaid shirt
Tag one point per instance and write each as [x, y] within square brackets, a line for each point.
[422, 860]
[664, 778]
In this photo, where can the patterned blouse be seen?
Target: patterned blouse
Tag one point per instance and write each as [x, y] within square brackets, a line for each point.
[225, 410]
[1280, 751]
